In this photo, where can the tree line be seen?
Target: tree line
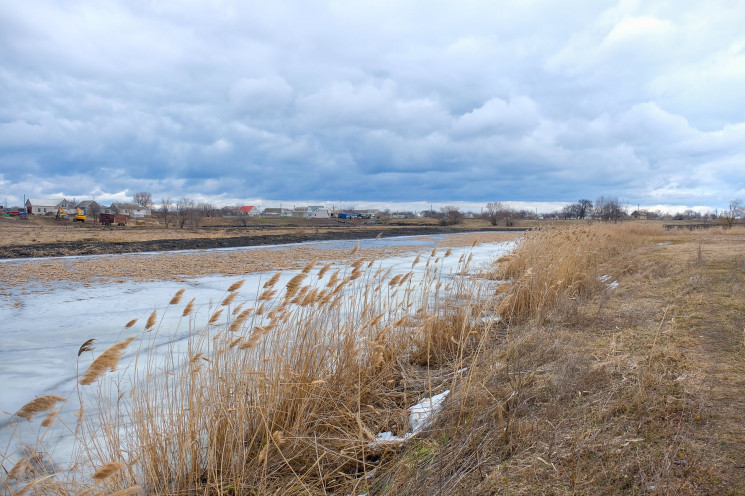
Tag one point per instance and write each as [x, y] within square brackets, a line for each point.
[188, 212]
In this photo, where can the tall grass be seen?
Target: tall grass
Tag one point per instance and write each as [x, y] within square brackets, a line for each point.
[553, 267]
[555, 405]
[282, 396]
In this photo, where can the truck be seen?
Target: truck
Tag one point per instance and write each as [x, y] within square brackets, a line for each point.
[109, 219]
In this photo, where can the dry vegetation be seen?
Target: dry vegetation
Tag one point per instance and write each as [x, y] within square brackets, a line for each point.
[560, 382]
[41, 230]
[189, 264]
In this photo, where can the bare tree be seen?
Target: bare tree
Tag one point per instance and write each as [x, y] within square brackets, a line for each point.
[497, 212]
[493, 209]
[93, 210]
[143, 199]
[608, 209]
[184, 209]
[166, 210]
[584, 207]
[450, 215]
[207, 209]
[735, 211]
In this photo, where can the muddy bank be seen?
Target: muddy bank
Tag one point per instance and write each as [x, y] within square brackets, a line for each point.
[98, 247]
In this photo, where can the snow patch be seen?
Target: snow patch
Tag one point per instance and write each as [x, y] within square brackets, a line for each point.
[609, 285]
[420, 416]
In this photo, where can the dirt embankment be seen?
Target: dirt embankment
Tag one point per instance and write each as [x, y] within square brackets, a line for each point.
[283, 236]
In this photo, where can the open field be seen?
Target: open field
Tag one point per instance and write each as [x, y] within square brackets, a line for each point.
[45, 237]
[602, 359]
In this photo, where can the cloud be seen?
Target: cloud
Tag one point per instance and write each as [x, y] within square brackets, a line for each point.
[498, 117]
[259, 96]
[375, 101]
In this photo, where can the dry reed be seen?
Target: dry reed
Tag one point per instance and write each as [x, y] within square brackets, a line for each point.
[177, 297]
[37, 405]
[188, 308]
[272, 281]
[108, 470]
[109, 359]
[236, 285]
[289, 400]
[151, 320]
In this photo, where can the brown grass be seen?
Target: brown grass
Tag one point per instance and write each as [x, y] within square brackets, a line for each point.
[590, 390]
[571, 387]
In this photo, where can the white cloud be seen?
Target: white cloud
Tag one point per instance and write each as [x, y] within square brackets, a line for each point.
[513, 117]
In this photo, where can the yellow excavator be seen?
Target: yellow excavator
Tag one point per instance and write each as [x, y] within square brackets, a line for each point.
[61, 214]
[79, 216]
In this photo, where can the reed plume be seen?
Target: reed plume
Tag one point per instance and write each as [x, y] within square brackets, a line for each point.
[267, 294]
[109, 359]
[324, 269]
[40, 404]
[271, 282]
[293, 285]
[50, 418]
[236, 285]
[240, 320]
[151, 320]
[87, 346]
[177, 297]
[130, 323]
[108, 470]
[214, 317]
[229, 299]
[309, 267]
[188, 309]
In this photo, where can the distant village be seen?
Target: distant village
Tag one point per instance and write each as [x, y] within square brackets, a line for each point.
[187, 212]
[92, 210]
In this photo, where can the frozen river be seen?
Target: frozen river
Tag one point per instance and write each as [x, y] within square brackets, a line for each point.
[42, 335]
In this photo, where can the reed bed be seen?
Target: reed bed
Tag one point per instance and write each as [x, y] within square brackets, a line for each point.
[285, 396]
[566, 397]
[288, 395]
[554, 267]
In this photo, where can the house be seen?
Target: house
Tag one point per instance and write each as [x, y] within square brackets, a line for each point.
[317, 212]
[369, 213]
[276, 212]
[249, 211]
[302, 212]
[46, 206]
[132, 209]
[90, 208]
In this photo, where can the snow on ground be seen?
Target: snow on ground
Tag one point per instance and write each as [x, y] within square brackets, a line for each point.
[41, 337]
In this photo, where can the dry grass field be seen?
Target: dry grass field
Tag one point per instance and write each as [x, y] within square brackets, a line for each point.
[41, 230]
[595, 359]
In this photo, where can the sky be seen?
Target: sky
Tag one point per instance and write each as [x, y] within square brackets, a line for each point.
[374, 102]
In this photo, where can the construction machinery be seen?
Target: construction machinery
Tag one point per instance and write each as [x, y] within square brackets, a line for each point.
[61, 214]
[79, 216]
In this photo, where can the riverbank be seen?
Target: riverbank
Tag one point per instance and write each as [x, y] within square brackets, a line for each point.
[42, 238]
